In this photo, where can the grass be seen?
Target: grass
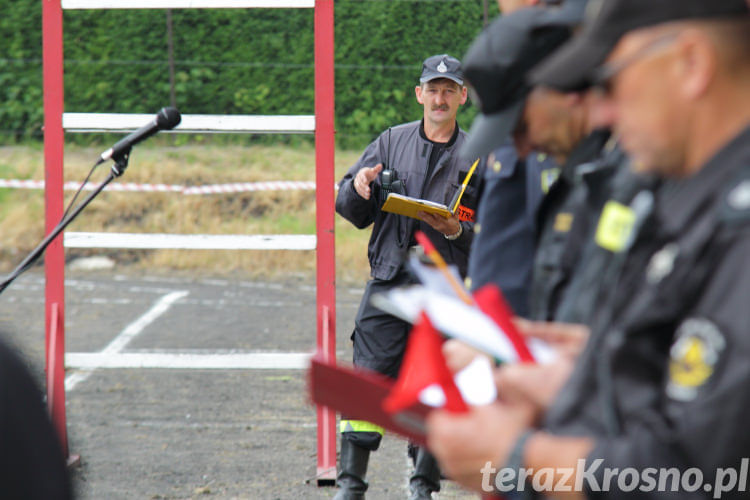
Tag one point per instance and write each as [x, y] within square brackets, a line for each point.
[270, 212]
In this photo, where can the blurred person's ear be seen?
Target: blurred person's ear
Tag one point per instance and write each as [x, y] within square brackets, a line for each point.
[697, 63]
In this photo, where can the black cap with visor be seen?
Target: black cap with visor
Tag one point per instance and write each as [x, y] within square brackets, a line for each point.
[496, 67]
[574, 66]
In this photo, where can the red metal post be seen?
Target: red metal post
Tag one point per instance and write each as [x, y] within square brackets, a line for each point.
[324, 217]
[56, 377]
[54, 261]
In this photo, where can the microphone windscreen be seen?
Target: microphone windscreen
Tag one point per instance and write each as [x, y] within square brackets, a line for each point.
[168, 118]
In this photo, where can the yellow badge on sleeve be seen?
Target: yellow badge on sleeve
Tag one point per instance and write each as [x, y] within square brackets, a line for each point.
[563, 222]
[696, 350]
[615, 225]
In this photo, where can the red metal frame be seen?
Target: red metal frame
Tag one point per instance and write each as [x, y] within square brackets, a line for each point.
[54, 260]
[324, 218]
[56, 390]
[52, 35]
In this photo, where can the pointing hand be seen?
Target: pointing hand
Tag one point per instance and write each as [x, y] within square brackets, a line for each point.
[364, 177]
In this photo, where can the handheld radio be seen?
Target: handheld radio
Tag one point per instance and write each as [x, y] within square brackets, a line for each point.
[390, 183]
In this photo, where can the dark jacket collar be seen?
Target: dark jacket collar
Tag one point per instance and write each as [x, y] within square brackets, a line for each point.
[448, 144]
[586, 151]
[680, 200]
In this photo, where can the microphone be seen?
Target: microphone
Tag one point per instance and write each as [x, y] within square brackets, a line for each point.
[166, 119]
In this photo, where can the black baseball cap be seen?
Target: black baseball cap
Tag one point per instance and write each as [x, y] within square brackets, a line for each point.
[498, 61]
[441, 66]
[606, 21]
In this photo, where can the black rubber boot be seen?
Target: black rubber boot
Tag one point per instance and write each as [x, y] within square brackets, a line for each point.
[426, 477]
[352, 470]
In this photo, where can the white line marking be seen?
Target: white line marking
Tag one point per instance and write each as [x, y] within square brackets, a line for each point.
[128, 334]
[260, 284]
[258, 423]
[215, 282]
[137, 326]
[247, 303]
[97, 301]
[246, 361]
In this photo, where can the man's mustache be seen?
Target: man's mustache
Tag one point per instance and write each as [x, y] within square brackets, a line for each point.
[444, 107]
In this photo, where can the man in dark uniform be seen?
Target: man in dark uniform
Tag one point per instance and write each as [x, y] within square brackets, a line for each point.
[418, 159]
[32, 466]
[608, 241]
[662, 383]
[560, 123]
[542, 119]
[510, 193]
[505, 232]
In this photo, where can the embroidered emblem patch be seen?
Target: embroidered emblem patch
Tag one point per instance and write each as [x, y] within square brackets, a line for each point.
[693, 357]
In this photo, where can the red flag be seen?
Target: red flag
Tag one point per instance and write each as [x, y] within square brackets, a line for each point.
[423, 366]
[490, 301]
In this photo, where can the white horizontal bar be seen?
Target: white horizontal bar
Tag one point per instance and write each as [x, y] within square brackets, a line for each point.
[124, 122]
[245, 361]
[191, 241]
[234, 187]
[186, 4]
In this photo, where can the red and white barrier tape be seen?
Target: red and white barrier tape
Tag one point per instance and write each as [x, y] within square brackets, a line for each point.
[241, 187]
[237, 187]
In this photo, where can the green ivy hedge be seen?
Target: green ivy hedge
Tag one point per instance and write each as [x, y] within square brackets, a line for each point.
[234, 61]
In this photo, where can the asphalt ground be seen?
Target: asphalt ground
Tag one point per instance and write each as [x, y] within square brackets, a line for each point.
[176, 433]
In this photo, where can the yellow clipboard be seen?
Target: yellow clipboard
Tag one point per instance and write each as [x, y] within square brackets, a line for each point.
[409, 206]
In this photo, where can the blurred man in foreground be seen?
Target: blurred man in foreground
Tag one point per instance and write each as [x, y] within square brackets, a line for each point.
[663, 379]
[540, 119]
[512, 188]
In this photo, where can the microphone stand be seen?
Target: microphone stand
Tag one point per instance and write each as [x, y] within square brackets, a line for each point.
[118, 168]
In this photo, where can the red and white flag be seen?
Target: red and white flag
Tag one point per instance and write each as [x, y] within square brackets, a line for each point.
[424, 366]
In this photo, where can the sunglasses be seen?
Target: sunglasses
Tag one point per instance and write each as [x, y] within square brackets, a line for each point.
[604, 75]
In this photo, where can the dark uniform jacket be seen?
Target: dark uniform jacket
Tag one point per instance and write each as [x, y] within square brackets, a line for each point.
[564, 222]
[505, 233]
[592, 279]
[405, 150]
[664, 379]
